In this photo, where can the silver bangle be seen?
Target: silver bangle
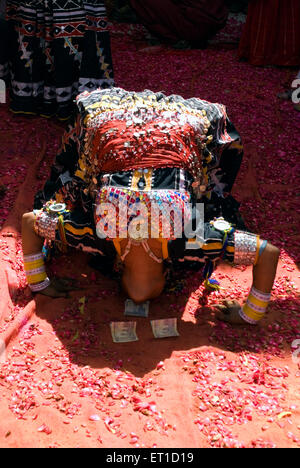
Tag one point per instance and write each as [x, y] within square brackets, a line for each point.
[45, 225]
[245, 248]
[40, 286]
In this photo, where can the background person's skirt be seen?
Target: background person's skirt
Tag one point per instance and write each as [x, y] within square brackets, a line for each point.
[57, 49]
[271, 35]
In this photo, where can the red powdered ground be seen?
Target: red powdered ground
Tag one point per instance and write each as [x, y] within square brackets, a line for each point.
[64, 383]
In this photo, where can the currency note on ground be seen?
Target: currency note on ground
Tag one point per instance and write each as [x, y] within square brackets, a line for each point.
[123, 332]
[164, 328]
[136, 310]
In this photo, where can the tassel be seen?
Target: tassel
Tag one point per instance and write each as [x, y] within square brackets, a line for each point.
[209, 283]
[46, 250]
[212, 284]
[62, 234]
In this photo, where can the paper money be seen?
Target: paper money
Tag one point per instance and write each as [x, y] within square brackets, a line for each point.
[136, 310]
[164, 328]
[123, 332]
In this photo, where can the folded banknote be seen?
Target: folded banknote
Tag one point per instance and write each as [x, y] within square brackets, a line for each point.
[136, 310]
[164, 328]
[123, 332]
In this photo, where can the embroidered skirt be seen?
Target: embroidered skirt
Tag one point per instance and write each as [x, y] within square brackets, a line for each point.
[57, 49]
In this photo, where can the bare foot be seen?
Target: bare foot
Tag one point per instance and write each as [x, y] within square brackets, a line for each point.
[228, 311]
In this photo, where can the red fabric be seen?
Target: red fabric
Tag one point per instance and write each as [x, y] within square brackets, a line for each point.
[271, 35]
[156, 153]
[192, 20]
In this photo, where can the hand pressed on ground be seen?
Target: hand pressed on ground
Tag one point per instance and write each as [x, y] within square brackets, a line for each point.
[228, 311]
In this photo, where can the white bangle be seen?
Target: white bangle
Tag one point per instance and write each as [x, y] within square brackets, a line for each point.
[40, 286]
[247, 319]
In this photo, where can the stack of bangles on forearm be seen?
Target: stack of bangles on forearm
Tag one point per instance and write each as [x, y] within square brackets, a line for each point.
[36, 272]
[256, 305]
[45, 226]
[247, 252]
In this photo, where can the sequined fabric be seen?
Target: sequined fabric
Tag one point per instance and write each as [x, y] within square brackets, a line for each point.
[162, 212]
[143, 143]
[121, 130]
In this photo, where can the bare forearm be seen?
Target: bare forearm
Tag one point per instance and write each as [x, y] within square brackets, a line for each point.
[264, 272]
[31, 242]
